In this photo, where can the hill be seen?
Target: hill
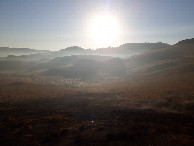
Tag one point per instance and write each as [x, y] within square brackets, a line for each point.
[187, 41]
[5, 51]
[131, 49]
[147, 99]
[125, 50]
[172, 60]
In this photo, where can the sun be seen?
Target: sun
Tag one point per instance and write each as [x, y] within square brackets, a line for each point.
[104, 30]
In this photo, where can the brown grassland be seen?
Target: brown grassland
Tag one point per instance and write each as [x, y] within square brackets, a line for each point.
[153, 105]
[133, 111]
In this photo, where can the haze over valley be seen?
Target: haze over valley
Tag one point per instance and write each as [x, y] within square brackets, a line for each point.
[100, 72]
[77, 92]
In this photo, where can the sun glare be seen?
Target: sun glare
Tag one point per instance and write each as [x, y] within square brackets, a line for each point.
[104, 30]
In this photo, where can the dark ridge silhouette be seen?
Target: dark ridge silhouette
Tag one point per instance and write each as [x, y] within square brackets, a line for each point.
[186, 41]
[172, 60]
[131, 49]
[125, 50]
[73, 48]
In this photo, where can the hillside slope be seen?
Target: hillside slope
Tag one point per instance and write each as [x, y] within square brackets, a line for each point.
[173, 60]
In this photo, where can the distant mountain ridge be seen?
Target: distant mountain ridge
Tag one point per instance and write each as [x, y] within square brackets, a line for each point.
[73, 48]
[186, 41]
[152, 59]
[131, 49]
[6, 51]
[171, 61]
[128, 49]
[125, 50]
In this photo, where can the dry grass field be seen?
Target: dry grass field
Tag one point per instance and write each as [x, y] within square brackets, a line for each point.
[152, 105]
[136, 111]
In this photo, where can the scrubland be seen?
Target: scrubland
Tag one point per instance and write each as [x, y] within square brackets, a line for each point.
[152, 103]
[135, 111]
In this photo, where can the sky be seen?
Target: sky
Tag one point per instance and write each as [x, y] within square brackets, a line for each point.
[57, 24]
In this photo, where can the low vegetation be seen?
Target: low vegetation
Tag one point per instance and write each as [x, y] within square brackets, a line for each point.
[144, 100]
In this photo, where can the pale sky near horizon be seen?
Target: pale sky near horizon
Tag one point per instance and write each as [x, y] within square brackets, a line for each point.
[57, 24]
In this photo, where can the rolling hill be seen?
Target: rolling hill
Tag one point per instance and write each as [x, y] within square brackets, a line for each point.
[173, 60]
[147, 99]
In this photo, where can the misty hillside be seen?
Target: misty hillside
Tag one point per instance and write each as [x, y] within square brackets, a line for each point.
[176, 59]
[131, 49]
[125, 50]
[89, 69]
[74, 50]
[5, 51]
[187, 41]
[122, 98]
[153, 58]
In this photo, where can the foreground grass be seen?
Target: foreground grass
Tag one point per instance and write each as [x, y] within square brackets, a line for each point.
[130, 112]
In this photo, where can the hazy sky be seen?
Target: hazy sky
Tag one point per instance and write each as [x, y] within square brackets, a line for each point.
[57, 24]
